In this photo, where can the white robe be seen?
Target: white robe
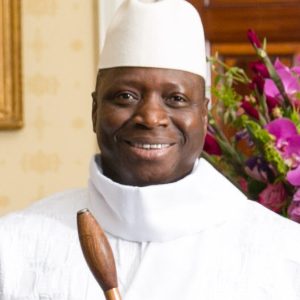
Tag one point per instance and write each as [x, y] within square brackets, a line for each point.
[198, 238]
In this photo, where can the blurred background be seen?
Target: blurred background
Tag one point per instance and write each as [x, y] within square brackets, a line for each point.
[51, 53]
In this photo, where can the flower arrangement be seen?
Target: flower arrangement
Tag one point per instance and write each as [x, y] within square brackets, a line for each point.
[254, 137]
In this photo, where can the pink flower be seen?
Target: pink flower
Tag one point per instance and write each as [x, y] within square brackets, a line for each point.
[294, 208]
[296, 70]
[253, 38]
[273, 197]
[288, 144]
[211, 146]
[289, 80]
[282, 129]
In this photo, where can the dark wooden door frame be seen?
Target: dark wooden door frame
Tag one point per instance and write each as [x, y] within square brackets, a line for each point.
[226, 21]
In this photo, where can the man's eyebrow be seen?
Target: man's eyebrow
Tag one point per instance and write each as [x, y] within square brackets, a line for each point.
[125, 81]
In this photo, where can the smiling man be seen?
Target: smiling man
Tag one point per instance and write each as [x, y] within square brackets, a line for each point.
[178, 229]
[150, 123]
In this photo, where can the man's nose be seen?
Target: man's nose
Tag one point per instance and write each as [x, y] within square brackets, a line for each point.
[151, 112]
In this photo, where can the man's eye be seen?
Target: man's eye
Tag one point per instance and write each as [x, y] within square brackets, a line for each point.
[125, 97]
[177, 100]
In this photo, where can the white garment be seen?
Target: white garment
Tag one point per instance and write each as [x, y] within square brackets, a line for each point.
[235, 250]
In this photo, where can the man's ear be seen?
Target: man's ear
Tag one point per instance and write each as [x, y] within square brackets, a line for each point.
[94, 110]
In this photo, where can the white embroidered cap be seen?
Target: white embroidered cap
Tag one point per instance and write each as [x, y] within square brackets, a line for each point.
[160, 34]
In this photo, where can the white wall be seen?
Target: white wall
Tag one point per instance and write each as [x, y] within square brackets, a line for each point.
[52, 152]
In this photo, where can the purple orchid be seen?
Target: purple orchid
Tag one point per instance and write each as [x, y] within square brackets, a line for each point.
[296, 70]
[293, 154]
[289, 81]
[282, 129]
[288, 144]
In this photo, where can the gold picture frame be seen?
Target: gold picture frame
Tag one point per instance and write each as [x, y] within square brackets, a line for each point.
[11, 109]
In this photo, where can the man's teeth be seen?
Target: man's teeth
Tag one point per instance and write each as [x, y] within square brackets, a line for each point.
[150, 146]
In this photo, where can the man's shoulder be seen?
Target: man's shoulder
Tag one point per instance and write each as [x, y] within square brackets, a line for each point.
[56, 210]
[61, 202]
[257, 215]
[40, 242]
[270, 232]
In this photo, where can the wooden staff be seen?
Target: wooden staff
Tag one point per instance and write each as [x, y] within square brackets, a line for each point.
[98, 254]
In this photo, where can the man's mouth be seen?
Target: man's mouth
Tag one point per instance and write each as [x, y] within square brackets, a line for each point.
[148, 146]
[149, 151]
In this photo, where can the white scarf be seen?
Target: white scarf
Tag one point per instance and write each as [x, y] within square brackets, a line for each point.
[158, 213]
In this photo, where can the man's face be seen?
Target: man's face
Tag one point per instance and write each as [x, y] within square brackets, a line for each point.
[150, 123]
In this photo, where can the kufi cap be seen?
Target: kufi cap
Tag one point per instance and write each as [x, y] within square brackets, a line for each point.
[161, 34]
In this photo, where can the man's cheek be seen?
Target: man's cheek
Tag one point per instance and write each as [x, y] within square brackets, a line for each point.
[108, 123]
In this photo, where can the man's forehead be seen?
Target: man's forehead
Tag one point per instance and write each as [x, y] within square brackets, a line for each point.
[140, 74]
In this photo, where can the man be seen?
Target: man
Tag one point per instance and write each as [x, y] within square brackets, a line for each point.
[178, 229]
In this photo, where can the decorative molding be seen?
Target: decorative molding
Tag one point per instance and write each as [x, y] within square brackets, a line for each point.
[11, 109]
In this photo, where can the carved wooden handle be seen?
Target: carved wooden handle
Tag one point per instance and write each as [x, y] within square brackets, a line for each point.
[98, 254]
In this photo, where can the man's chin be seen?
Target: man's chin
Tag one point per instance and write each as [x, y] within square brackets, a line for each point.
[150, 176]
[137, 171]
